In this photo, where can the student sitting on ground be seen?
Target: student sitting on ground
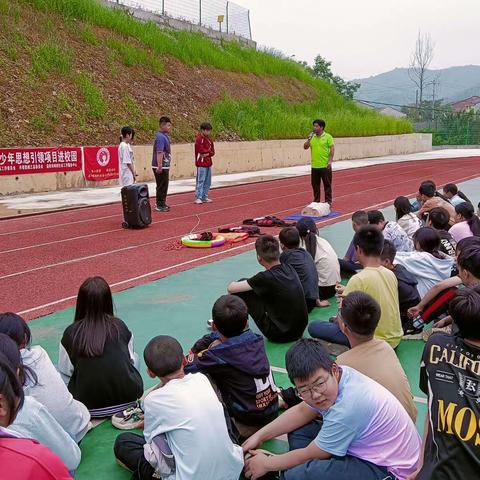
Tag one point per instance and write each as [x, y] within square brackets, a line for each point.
[348, 425]
[377, 281]
[405, 216]
[50, 390]
[432, 199]
[33, 419]
[436, 300]
[438, 219]
[468, 224]
[325, 259]
[449, 375]
[358, 318]
[235, 358]
[426, 263]
[186, 412]
[27, 458]
[454, 195]
[96, 354]
[275, 297]
[408, 295]
[391, 231]
[302, 262]
[349, 263]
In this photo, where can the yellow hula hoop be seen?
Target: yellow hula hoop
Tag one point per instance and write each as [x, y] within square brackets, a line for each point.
[193, 241]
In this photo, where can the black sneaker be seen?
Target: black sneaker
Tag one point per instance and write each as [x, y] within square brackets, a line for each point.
[165, 208]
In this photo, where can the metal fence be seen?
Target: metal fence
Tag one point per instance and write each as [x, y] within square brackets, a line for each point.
[220, 15]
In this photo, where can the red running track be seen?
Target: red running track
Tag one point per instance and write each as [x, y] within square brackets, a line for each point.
[44, 258]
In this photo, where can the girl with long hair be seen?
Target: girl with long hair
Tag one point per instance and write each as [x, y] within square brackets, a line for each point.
[467, 223]
[454, 195]
[97, 356]
[48, 388]
[324, 257]
[404, 216]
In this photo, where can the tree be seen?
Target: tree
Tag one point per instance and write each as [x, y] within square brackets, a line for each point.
[421, 59]
[322, 69]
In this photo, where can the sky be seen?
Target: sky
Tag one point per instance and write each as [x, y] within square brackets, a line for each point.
[367, 37]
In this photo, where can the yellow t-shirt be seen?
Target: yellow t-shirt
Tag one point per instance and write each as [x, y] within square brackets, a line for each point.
[382, 285]
[320, 149]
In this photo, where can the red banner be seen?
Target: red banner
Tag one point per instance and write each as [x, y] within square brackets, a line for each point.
[21, 161]
[100, 163]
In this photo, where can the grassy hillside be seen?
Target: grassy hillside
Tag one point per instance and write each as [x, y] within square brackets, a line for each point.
[74, 72]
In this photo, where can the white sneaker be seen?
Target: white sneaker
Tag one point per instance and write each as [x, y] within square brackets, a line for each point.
[198, 201]
[208, 200]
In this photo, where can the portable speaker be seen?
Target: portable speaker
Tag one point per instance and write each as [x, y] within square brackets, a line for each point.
[136, 206]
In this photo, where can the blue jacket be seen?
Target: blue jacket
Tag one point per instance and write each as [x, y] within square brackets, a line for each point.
[239, 366]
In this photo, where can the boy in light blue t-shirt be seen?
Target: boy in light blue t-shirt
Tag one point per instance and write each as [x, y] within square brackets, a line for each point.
[365, 433]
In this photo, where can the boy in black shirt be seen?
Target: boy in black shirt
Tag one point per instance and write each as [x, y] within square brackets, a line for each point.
[302, 262]
[236, 360]
[438, 219]
[450, 375]
[275, 297]
[408, 295]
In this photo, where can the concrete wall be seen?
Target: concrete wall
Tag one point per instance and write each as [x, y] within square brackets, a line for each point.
[231, 157]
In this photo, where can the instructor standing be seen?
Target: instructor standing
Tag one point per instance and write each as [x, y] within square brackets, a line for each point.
[322, 151]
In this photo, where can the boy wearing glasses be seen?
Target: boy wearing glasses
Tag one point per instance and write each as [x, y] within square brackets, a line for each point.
[348, 426]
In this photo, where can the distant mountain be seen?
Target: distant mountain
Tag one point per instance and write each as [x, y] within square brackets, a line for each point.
[395, 87]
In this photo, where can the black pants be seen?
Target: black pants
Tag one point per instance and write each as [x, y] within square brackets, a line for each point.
[162, 180]
[348, 267]
[325, 293]
[258, 311]
[322, 175]
[128, 450]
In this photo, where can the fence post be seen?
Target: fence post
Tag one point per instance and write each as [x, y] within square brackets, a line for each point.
[227, 12]
[249, 25]
[200, 12]
[163, 8]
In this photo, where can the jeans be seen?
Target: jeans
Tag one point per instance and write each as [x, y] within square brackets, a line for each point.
[335, 468]
[128, 450]
[162, 180]
[322, 175]
[204, 181]
[329, 332]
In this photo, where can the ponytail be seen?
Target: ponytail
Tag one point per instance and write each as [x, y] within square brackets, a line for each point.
[466, 210]
[308, 232]
[463, 196]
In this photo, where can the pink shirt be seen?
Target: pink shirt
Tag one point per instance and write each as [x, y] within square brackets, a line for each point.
[460, 230]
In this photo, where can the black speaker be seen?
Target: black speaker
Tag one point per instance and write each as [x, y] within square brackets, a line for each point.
[136, 206]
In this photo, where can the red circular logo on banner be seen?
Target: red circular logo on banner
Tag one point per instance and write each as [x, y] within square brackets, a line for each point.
[103, 157]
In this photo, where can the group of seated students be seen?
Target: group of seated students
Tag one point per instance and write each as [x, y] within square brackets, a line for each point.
[214, 406]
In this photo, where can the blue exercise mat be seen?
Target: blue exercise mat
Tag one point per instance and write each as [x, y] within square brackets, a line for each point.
[315, 219]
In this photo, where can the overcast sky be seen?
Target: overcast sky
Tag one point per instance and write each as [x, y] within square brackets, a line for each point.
[367, 37]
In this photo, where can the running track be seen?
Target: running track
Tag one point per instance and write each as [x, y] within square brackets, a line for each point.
[44, 258]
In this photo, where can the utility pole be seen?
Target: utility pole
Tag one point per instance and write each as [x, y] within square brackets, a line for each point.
[434, 83]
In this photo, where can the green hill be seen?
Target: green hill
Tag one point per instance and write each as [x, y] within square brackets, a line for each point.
[75, 71]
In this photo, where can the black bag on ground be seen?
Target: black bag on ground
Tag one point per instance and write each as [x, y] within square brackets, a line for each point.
[137, 212]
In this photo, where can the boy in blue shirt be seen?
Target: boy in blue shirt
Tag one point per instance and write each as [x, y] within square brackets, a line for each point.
[161, 158]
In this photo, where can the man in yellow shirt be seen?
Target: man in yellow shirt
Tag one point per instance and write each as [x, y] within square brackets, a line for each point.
[376, 280]
[322, 149]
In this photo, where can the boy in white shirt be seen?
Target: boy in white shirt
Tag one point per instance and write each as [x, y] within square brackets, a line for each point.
[125, 158]
[186, 411]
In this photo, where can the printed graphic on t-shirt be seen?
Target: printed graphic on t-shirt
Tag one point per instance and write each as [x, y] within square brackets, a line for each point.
[451, 375]
[266, 391]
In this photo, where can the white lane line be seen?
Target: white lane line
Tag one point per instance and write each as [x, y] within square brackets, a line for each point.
[45, 227]
[156, 272]
[420, 400]
[278, 369]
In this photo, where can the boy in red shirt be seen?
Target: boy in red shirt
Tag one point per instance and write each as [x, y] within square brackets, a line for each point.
[204, 151]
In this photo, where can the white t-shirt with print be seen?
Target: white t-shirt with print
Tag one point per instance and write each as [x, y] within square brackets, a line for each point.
[190, 415]
[125, 158]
